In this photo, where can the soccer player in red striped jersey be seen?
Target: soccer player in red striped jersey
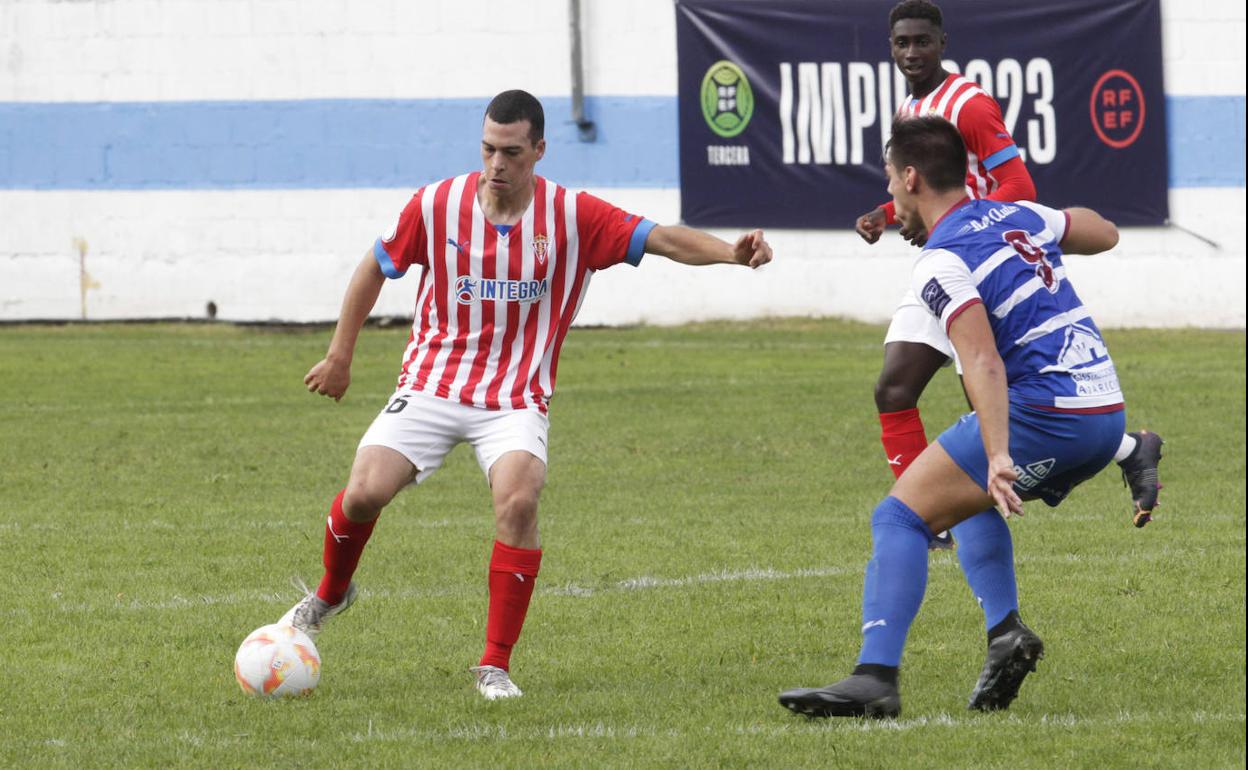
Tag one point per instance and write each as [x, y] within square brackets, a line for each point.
[504, 258]
[915, 348]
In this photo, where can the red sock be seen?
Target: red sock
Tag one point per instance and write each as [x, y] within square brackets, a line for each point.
[344, 542]
[512, 574]
[903, 438]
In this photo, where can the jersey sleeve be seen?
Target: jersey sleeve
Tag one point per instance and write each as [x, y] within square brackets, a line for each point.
[608, 235]
[407, 245]
[944, 284]
[1014, 182]
[984, 131]
[1057, 222]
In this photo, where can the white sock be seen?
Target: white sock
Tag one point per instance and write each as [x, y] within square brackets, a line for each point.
[1125, 448]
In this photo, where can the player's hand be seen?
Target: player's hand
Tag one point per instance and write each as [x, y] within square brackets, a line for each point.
[329, 378]
[751, 250]
[871, 224]
[917, 236]
[1001, 478]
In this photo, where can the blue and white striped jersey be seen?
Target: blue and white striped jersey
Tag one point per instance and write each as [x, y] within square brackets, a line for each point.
[1007, 256]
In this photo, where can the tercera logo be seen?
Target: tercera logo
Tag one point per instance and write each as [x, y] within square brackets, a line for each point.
[727, 99]
[469, 290]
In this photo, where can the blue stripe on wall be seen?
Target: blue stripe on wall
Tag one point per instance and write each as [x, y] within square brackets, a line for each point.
[308, 144]
[316, 143]
[1206, 140]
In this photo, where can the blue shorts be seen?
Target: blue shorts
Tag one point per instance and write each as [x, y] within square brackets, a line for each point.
[1053, 451]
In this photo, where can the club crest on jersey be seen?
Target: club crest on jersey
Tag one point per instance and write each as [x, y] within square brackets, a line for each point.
[539, 248]
[469, 290]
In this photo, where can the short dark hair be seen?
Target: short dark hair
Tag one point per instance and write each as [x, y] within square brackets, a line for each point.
[916, 9]
[516, 105]
[933, 146]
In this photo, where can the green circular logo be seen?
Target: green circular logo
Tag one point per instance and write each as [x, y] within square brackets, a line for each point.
[727, 99]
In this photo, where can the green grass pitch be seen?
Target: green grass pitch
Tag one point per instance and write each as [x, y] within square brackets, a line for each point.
[705, 531]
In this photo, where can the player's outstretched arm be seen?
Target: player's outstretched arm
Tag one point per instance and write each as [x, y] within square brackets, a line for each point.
[871, 224]
[694, 247]
[332, 375]
[1088, 233]
[983, 375]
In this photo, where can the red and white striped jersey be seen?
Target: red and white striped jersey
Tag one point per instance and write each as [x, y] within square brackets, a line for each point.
[977, 115]
[495, 302]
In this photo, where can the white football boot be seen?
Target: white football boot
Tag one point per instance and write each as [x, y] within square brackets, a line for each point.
[310, 613]
[494, 683]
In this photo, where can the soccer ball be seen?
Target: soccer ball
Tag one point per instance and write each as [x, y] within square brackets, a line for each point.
[277, 661]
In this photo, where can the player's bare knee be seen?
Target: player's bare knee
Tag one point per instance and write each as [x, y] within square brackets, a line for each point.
[517, 527]
[520, 504]
[363, 502]
[894, 395]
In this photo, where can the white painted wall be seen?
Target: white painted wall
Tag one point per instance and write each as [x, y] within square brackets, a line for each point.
[287, 254]
[152, 50]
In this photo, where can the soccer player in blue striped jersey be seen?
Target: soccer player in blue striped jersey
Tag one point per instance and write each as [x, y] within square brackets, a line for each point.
[914, 347]
[1048, 414]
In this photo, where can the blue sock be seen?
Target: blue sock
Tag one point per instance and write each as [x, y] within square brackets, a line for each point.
[986, 553]
[895, 581]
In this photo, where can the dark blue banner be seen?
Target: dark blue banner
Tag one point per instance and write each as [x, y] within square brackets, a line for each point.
[785, 105]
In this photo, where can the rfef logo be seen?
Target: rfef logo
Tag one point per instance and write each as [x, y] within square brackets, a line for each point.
[727, 99]
[1117, 109]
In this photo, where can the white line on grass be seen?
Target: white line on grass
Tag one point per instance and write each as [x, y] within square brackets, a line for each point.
[574, 590]
[639, 583]
[1061, 721]
[248, 524]
[498, 732]
[493, 732]
[644, 582]
[600, 730]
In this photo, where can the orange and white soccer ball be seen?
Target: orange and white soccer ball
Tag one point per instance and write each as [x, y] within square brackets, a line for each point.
[277, 661]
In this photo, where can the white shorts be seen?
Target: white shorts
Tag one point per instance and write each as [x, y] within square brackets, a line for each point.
[913, 322]
[424, 429]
